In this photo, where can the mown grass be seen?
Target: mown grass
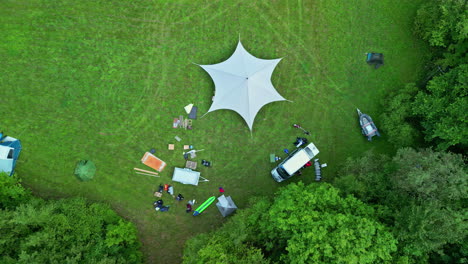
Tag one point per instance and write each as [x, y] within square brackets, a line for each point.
[103, 80]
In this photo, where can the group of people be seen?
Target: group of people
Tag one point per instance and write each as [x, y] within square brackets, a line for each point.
[159, 204]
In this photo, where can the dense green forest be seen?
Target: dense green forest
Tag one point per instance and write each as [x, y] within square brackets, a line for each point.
[33, 230]
[404, 207]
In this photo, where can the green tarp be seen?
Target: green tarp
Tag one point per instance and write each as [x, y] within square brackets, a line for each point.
[85, 170]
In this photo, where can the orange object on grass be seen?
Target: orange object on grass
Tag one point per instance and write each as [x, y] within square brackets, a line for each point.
[152, 161]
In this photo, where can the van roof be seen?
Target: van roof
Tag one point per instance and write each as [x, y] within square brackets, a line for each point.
[300, 158]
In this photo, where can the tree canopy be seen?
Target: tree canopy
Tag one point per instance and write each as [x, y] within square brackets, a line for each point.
[444, 24]
[421, 194]
[440, 110]
[62, 231]
[12, 193]
[443, 108]
[397, 122]
[302, 224]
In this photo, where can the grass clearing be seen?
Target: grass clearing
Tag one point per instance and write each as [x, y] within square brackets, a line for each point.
[103, 80]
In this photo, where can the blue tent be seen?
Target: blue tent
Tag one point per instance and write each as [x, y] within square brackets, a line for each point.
[10, 149]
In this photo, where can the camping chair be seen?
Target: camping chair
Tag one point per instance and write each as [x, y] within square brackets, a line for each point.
[206, 163]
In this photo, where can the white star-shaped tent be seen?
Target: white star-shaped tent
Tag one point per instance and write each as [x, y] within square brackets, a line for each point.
[243, 84]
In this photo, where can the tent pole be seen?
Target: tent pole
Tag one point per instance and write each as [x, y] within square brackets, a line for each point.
[151, 172]
[146, 174]
[204, 179]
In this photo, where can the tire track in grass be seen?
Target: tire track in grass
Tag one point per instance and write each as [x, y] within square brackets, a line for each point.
[299, 4]
[329, 82]
[138, 117]
[200, 11]
[211, 18]
[340, 109]
[155, 244]
[118, 84]
[298, 40]
[288, 16]
[184, 20]
[297, 61]
[287, 27]
[298, 56]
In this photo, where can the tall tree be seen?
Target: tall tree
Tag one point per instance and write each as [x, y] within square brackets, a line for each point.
[12, 193]
[428, 175]
[443, 108]
[66, 231]
[306, 224]
[397, 122]
[436, 186]
[424, 194]
[443, 24]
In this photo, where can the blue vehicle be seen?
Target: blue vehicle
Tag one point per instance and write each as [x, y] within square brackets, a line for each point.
[10, 149]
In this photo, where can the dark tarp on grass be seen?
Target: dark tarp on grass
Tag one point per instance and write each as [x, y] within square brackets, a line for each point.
[375, 59]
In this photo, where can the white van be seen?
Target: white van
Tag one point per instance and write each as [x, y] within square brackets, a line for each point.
[296, 160]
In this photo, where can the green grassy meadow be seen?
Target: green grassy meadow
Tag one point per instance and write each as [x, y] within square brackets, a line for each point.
[103, 80]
